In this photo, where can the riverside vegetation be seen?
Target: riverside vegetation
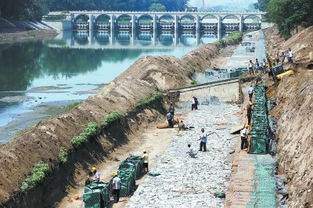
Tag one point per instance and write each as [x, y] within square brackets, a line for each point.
[287, 14]
[91, 130]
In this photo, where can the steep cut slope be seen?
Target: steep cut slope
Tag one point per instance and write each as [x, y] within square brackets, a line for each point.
[294, 96]
[295, 133]
[300, 43]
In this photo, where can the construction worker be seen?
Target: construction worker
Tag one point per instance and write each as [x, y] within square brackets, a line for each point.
[116, 186]
[95, 175]
[249, 112]
[192, 153]
[257, 66]
[169, 118]
[145, 161]
[171, 109]
[290, 56]
[244, 137]
[181, 126]
[250, 92]
[250, 67]
[195, 103]
[204, 139]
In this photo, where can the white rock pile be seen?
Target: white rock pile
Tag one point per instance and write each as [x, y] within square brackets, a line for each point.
[192, 182]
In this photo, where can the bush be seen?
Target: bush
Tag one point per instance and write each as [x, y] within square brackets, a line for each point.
[232, 39]
[90, 130]
[111, 117]
[39, 172]
[148, 101]
[194, 82]
[221, 43]
[63, 154]
[72, 105]
[55, 17]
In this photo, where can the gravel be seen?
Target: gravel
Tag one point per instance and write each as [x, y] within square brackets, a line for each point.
[192, 182]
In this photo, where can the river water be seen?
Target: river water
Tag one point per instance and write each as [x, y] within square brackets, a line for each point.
[38, 78]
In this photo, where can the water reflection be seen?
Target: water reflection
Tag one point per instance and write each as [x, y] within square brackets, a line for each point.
[67, 68]
[82, 39]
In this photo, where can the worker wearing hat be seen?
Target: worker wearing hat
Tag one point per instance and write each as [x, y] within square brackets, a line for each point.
[145, 161]
[95, 175]
[116, 186]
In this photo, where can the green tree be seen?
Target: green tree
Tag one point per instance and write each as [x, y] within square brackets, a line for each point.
[157, 7]
[289, 14]
[261, 5]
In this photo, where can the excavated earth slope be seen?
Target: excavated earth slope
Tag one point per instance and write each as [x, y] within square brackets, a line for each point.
[43, 141]
[294, 96]
[300, 43]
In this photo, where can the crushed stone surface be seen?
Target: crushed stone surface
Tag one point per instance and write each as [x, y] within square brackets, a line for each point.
[192, 182]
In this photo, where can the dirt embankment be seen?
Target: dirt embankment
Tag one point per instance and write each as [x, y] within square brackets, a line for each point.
[43, 141]
[294, 96]
[301, 43]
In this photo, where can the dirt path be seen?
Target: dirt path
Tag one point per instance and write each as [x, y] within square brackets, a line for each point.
[154, 141]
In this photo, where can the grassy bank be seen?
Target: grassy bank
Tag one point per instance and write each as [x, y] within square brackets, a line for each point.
[30, 35]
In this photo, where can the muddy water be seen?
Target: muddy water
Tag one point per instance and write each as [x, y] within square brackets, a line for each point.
[37, 79]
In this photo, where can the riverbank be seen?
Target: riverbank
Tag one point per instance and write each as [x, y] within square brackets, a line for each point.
[9, 36]
[142, 79]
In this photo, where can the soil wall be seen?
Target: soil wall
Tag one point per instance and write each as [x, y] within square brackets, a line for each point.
[43, 141]
[294, 96]
[295, 136]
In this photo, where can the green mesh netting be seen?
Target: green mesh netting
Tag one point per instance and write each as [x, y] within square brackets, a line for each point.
[130, 170]
[136, 162]
[97, 195]
[128, 178]
[260, 124]
[264, 192]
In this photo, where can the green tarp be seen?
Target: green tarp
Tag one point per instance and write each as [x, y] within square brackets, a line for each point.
[260, 124]
[97, 195]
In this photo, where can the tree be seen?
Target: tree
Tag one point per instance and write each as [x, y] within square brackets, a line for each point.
[289, 14]
[261, 5]
[157, 7]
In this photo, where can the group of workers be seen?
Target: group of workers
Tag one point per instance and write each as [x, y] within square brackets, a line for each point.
[203, 138]
[94, 177]
[281, 57]
[257, 67]
[171, 113]
[244, 133]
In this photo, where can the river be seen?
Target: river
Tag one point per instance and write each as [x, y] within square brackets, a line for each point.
[39, 79]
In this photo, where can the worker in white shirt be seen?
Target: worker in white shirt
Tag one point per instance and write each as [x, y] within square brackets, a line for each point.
[145, 161]
[290, 56]
[244, 137]
[116, 186]
[95, 175]
[204, 139]
[192, 152]
[250, 92]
